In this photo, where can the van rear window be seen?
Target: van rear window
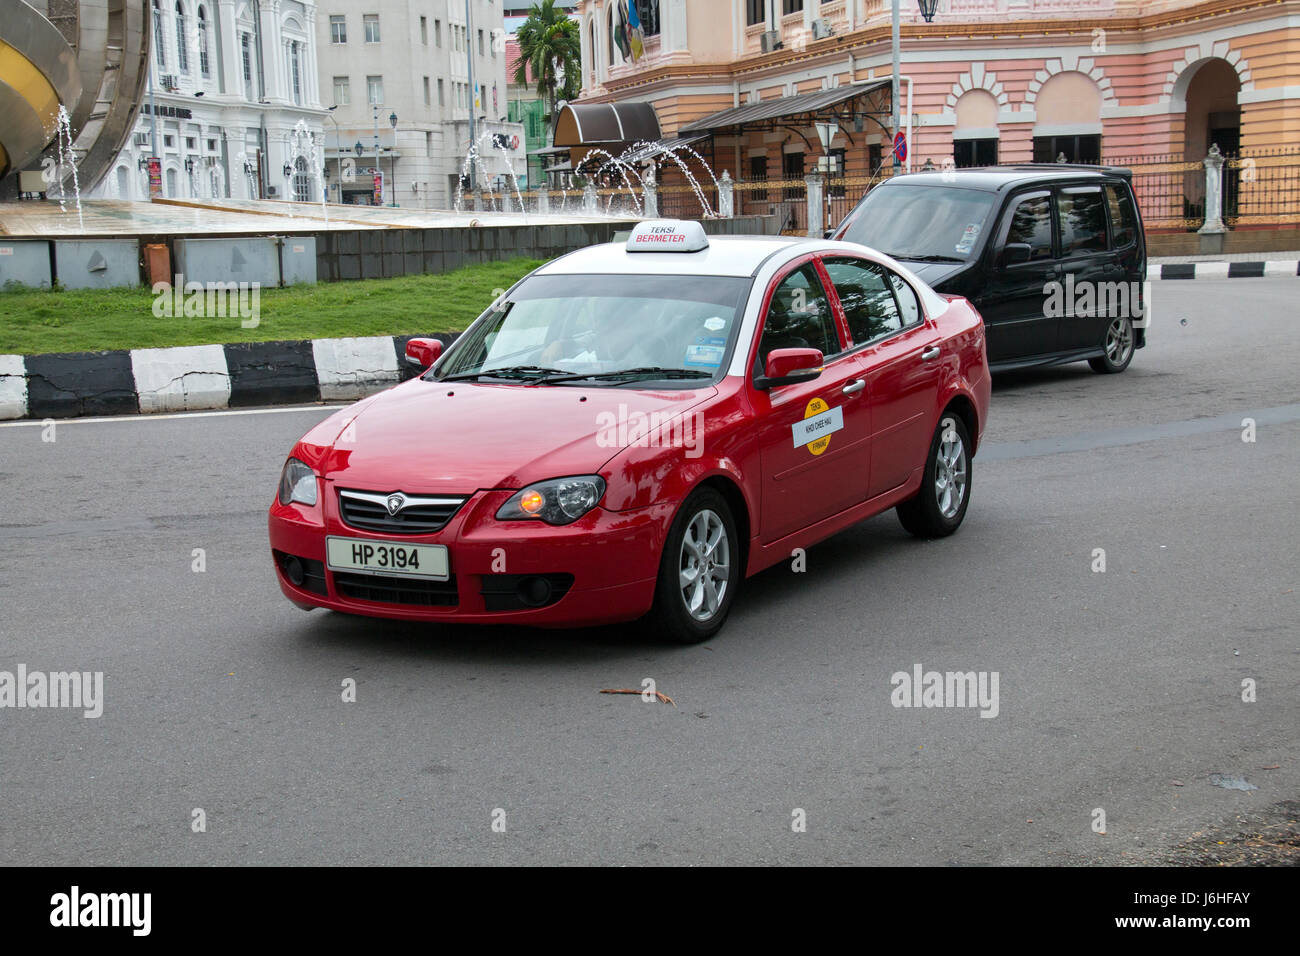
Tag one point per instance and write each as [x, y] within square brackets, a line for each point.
[1123, 221]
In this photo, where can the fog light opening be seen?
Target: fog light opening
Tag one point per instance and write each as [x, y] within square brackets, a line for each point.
[534, 591]
[293, 571]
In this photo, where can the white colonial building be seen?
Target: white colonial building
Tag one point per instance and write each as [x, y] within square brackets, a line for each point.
[238, 109]
[395, 76]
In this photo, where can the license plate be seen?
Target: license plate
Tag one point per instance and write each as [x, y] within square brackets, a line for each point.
[363, 556]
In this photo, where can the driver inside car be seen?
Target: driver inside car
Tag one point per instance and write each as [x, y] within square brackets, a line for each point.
[616, 341]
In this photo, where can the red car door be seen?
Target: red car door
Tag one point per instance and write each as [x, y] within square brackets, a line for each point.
[814, 436]
[900, 356]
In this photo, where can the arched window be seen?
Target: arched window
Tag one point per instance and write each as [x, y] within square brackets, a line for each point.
[648, 13]
[123, 183]
[182, 53]
[205, 62]
[171, 184]
[159, 48]
[301, 181]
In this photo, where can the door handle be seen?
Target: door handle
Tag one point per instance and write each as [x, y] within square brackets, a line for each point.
[931, 353]
[854, 387]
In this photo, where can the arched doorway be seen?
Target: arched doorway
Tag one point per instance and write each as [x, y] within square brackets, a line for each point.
[301, 181]
[1211, 117]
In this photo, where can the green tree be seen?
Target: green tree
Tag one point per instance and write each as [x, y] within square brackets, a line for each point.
[550, 47]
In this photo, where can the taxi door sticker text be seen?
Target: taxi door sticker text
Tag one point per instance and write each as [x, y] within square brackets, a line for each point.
[819, 422]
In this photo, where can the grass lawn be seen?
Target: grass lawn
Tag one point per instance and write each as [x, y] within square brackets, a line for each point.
[87, 320]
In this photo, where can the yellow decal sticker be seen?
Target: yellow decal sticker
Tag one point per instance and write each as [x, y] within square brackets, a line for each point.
[819, 421]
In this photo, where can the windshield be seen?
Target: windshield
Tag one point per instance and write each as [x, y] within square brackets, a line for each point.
[910, 221]
[560, 328]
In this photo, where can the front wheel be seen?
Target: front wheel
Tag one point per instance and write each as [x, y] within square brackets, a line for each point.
[938, 507]
[699, 571]
[1118, 347]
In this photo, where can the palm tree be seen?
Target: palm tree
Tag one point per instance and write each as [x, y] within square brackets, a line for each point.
[550, 47]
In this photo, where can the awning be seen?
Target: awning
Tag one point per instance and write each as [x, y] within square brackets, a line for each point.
[653, 150]
[587, 124]
[783, 106]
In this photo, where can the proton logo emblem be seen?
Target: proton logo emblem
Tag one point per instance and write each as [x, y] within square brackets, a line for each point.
[396, 503]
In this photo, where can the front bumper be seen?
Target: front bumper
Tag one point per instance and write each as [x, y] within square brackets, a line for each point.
[599, 570]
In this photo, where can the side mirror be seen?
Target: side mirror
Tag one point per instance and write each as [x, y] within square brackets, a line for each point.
[423, 352]
[790, 366]
[1013, 253]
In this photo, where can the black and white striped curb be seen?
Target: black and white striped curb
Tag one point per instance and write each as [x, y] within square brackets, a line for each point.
[1270, 269]
[193, 377]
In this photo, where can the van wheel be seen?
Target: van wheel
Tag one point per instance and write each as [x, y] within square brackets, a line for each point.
[1118, 346]
[938, 507]
[699, 571]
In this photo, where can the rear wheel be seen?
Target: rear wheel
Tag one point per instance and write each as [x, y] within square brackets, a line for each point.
[1118, 347]
[938, 507]
[699, 571]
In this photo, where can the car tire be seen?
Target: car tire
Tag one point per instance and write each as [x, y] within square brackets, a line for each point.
[685, 612]
[1117, 347]
[939, 505]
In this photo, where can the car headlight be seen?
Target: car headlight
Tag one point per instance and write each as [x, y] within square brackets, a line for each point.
[297, 483]
[558, 501]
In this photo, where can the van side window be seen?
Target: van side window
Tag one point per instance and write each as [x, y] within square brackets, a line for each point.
[1031, 223]
[1123, 223]
[1083, 220]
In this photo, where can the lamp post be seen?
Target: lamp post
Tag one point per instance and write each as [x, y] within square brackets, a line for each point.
[469, 58]
[392, 121]
[338, 155]
[927, 9]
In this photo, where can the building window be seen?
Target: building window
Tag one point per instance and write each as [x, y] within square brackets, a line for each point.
[758, 174]
[295, 71]
[301, 181]
[182, 52]
[835, 188]
[427, 100]
[371, 23]
[756, 12]
[205, 61]
[974, 152]
[480, 43]
[375, 90]
[437, 33]
[338, 29]
[342, 91]
[212, 146]
[191, 143]
[792, 168]
[424, 30]
[246, 56]
[168, 141]
[1075, 149]
[442, 93]
[791, 6]
[647, 11]
[159, 49]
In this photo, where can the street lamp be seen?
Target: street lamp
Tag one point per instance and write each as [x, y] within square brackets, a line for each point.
[927, 9]
[358, 149]
[392, 121]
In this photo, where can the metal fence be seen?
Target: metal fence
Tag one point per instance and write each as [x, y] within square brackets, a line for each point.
[1262, 187]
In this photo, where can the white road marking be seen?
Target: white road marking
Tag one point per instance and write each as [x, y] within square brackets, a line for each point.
[158, 418]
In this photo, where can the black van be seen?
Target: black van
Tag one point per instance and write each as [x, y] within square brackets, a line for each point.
[1053, 256]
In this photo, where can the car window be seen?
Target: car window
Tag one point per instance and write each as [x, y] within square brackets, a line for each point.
[799, 317]
[911, 221]
[865, 296]
[1083, 220]
[1123, 223]
[1030, 222]
[907, 301]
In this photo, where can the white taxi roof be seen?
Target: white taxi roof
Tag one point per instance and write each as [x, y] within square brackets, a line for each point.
[725, 256]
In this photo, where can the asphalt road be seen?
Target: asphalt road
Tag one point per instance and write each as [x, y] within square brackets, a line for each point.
[1114, 687]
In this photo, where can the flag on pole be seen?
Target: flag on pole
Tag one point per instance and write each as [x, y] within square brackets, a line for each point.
[635, 36]
[620, 32]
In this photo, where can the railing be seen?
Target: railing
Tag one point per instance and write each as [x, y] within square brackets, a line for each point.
[1170, 190]
[1262, 187]
[787, 199]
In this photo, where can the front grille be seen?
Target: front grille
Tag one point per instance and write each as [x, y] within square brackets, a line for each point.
[395, 590]
[420, 514]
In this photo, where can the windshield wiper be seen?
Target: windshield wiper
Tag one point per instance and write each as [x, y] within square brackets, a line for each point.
[652, 371]
[911, 258]
[512, 371]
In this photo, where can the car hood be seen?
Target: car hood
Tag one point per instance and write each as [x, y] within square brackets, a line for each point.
[457, 438]
[933, 273]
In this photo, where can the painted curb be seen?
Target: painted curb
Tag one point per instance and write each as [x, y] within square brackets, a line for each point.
[202, 377]
[1264, 269]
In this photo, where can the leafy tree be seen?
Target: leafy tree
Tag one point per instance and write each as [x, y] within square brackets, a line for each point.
[550, 47]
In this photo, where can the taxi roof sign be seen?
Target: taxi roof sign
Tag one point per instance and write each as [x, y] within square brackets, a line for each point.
[668, 235]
